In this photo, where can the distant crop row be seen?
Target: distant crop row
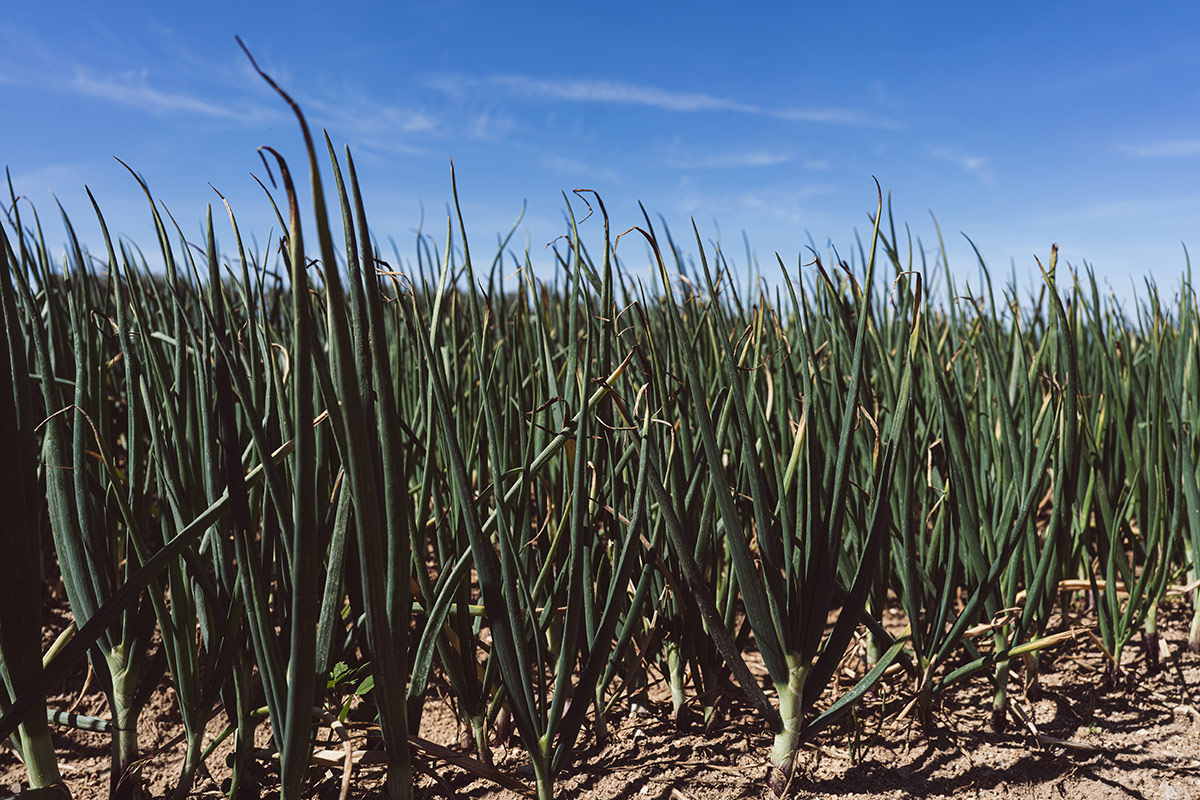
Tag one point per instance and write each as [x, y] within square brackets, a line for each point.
[323, 490]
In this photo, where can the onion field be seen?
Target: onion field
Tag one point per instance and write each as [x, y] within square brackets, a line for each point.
[311, 483]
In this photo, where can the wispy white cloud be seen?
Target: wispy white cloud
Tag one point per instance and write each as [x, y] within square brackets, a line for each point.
[978, 166]
[373, 120]
[616, 92]
[51, 176]
[567, 166]
[786, 203]
[747, 159]
[1170, 148]
[488, 126]
[621, 93]
[789, 204]
[37, 63]
[396, 128]
[832, 116]
[372, 126]
[735, 160]
[134, 89]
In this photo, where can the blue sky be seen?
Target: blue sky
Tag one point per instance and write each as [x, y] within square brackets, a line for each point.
[1019, 124]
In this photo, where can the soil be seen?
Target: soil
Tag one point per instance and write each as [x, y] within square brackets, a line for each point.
[1140, 739]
